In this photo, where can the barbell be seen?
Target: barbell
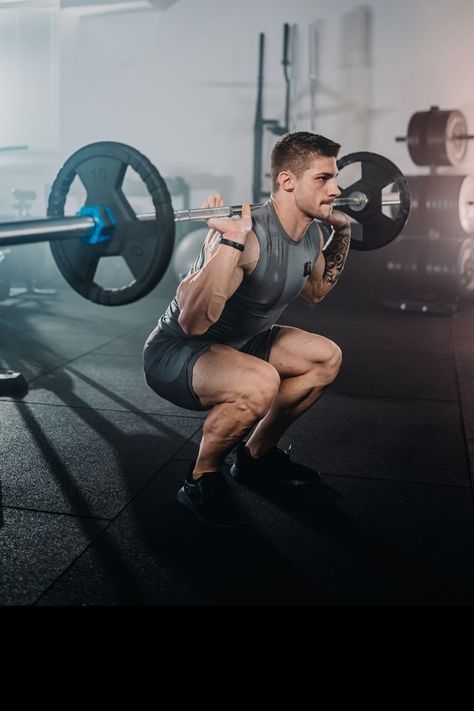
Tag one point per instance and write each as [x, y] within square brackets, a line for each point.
[107, 225]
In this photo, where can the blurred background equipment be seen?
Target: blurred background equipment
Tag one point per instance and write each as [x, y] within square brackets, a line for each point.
[262, 124]
[188, 250]
[441, 206]
[336, 97]
[5, 278]
[432, 270]
[431, 264]
[27, 267]
[24, 271]
[436, 137]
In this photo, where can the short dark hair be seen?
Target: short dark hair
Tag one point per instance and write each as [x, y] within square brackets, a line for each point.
[295, 152]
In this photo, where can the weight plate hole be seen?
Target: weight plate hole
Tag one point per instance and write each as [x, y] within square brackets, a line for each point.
[76, 197]
[390, 192]
[113, 273]
[136, 193]
[349, 175]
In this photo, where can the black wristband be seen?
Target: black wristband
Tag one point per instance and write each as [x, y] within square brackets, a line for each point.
[230, 243]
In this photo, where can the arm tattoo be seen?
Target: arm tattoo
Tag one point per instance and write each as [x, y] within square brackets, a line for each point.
[336, 254]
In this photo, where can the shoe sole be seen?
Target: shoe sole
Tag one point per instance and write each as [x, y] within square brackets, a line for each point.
[185, 501]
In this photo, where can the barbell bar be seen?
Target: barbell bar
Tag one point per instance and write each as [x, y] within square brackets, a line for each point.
[46, 230]
[107, 225]
[50, 229]
[356, 201]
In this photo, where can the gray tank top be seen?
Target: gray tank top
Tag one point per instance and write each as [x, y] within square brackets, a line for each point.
[282, 270]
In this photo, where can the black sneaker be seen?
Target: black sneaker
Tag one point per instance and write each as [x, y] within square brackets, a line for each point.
[210, 500]
[275, 467]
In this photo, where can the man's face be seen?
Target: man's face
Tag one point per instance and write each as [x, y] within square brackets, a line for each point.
[316, 189]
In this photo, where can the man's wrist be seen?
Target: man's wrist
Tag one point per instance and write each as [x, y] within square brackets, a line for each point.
[231, 243]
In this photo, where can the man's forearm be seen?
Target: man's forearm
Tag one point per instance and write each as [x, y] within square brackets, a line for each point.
[335, 254]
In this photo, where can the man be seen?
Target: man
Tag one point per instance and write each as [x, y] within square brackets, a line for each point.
[218, 348]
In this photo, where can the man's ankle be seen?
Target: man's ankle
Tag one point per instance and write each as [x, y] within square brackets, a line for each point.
[194, 475]
[256, 452]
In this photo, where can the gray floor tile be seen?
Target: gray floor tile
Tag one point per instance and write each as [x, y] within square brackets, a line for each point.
[70, 312]
[81, 461]
[155, 554]
[349, 542]
[392, 522]
[466, 388]
[36, 548]
[37, 354]
[369, 325]
[130, 344]
[108, 382]
[36, 340]
[463, 344]
[411, 440]
[427, 527]
[418, 514]
[470, 449]
[373, 542]
[397, 375]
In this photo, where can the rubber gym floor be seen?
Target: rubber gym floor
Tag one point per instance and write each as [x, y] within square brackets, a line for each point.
[92, 459]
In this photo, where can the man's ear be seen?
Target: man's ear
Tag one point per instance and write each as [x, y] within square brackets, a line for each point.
[286, 180]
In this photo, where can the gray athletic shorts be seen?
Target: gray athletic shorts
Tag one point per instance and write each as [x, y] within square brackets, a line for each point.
[169, 363]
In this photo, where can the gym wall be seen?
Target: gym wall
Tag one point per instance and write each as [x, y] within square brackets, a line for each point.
[180, 84]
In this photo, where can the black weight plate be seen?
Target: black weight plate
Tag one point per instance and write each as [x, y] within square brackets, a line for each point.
[416, 138]
[146, 246]
[439, 209]
[376, 228]
[441, 129]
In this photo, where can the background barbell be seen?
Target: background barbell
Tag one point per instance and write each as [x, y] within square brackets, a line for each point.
[107, 226]
[437, 137]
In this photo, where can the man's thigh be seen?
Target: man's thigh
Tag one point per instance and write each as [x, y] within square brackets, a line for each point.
[295, 351]
[222, 373]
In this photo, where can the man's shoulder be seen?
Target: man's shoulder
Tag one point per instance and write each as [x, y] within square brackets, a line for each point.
[322, 228]
[261, 212]
[319, 232]
[251, 254]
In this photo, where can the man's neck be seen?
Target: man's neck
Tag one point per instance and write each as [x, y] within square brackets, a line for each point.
[294, 222]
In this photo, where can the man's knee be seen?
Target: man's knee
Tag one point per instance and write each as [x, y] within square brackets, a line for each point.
[334, 362]
[259, 388]
[329, 361]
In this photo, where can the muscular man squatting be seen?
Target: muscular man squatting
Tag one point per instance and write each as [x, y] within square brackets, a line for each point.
[218, 346]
